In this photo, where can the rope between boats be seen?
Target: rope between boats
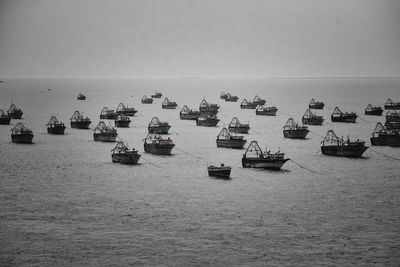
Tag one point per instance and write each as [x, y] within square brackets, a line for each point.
[190, 154]
[303, 167]
[390, 157]
[288, 114]
[158, 166]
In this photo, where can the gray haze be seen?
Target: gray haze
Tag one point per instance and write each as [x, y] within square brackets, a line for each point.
[183, 38]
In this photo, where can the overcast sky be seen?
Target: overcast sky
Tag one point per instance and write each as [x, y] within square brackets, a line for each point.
[203, 38]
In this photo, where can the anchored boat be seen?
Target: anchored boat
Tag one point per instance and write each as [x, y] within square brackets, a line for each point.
[21, 134]
[147, 100]
[81, 96]
[339, 116]
[4, 118]
[382, 136]
[236, 127]
[122, 121]
[226, 139]
[258, 101]
[390, 104]
[121, 154]
[316, 104]
[294, 131]
[14, 112]
[55, 126]
[311, 118]
[393, 115]
[248, 105]
[335, 146]
[188, 114]
[256, 158]
[231, 98]
[104, 133]
[156, 144]
[223, 95]
[79, 122]
[122, 110]
[156, 94]
[207, 120]
[108, 114]
[223, 171]
[370, 110]
[166, 104]
[207, 108]
[266, 111]
[158, 127]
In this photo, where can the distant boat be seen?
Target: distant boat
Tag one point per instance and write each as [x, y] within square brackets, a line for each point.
[223, 171]
[21, 134]
[390, 104]
[127, 111]
[236, 127]
[381, 136]
[122, 121]
[254, 157]
[156, 95]
[258, 101]
[156, 144]
[108, 114]
[55, 126]
[226, 139]
[188, 114]
[311, 118]
[81, 96]
[158, 127]
[393, 115]
[147, 100]
[266, 111]
[4, 118]
[207, 108]
[231, 98]
[248, 105]
[370, 110]
[339, 116]
[316, 104]
[166, 104]
[335, 146]
[121, 154]
[14, 112]
[207, 120]
[294, 131]
[223, 95]
[80, 122]
[104, 133]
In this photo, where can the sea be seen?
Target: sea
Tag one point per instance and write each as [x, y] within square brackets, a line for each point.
[64, 203]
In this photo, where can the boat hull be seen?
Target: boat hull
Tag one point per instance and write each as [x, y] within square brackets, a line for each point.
[386, 140]
[295, 134]
[249, 106]
[5, 120]
[169, 106]
[189, 116]
[56, 130]
[148, 101]
[393, 118]
[237, 144]
[374, 112]
[266, 112]
[111, 116]
[347, 119]
[122, 124]
[159, 130]
[316, 106]
[392, 125]
[80, 124]
[312, 121]
[22, 138]
[243, 130]
[158, 149]
[224, 173]
[125, 158]
[17, 115]
[262, 163]
[104, 137]
[344, 151]
[393, 106]
[207, 123]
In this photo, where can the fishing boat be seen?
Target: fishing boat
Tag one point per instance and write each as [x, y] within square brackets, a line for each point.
[147, 100]
[127, 111]
[81, 96]
[14, 112]
[294, 131]
[247, 105]
[316, 104]
[370, 110]
[335, 146]
[166, 104]
[254, 157]
[339, 116]
[231, 98]
[4, 118]
[236, 127]
[156, 144]
[393, 115]
[226, 139]
[207, 108]
[311, 118]
[392, 125]
[207, 120]
[108, 114]
[158, 127]
[390, 104]
[122, 121]
[156, 94]
[381, 136]
[223, 171]
[104, 133]
[54, 126]
[258, 101]
[266, 111]
[21, 134]
[223, 95]
[79, 122]
[121, 154]
[188, 114]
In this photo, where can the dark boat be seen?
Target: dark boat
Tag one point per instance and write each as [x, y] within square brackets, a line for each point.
[258, 101]
[104, 133]
[254, 157]
[266, 111]
[55, 126]
[231, 98]
[207, 108]
[382, 136]
[207, 120]
[223, 95]
[370, 110]
[393, 115]
[311, 118]
[236, 127]
[339, 116]
[14, 112]
[147, 100]
[392, 125]
[158, 127]
[223, 171]
[79, 122]
[21, 134]
[294, 131]
[390, 104]
[156, 95]
[247, 105]
[122, 121]
[335, 146]
[188, 114]
[108, 114]
[81, 96]
[166, 104]
[4, 118]
[122, 110]
[121, 154]
[316, 104]
[226, 139]
[156, 144]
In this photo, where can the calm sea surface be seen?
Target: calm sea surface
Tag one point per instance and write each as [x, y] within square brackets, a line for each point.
[64, 203]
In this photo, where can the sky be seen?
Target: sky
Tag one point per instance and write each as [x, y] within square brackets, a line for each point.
[202, 38]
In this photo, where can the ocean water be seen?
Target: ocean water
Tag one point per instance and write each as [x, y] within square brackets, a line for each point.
[64, 203]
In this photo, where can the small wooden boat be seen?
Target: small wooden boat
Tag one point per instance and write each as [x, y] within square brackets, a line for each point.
[121, 154]
[339, 116]
[294, 131]
[335, 146]
[236, 127]
[156, 95]
[80, 122]
[266, 111]
[81, 96]
[381, 136]
[370, 110]
[248, 105]
[166, 104]
[55, 126]
[14, 112]
[122, 121]
[207, 120]
[158, 127]
[311, 118]
[108, 114]
[21, 134]
[122, 110]
[258, 101]
[226, 139]
[231, 98]
[147, 100]
[254, 157]
[393, 115]
[223, 171]
[104, 133]
[207, 108]
[390, 104]
[156, 144]
[316, 104]
[188, 114]
[223, 95]
[4, 118]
